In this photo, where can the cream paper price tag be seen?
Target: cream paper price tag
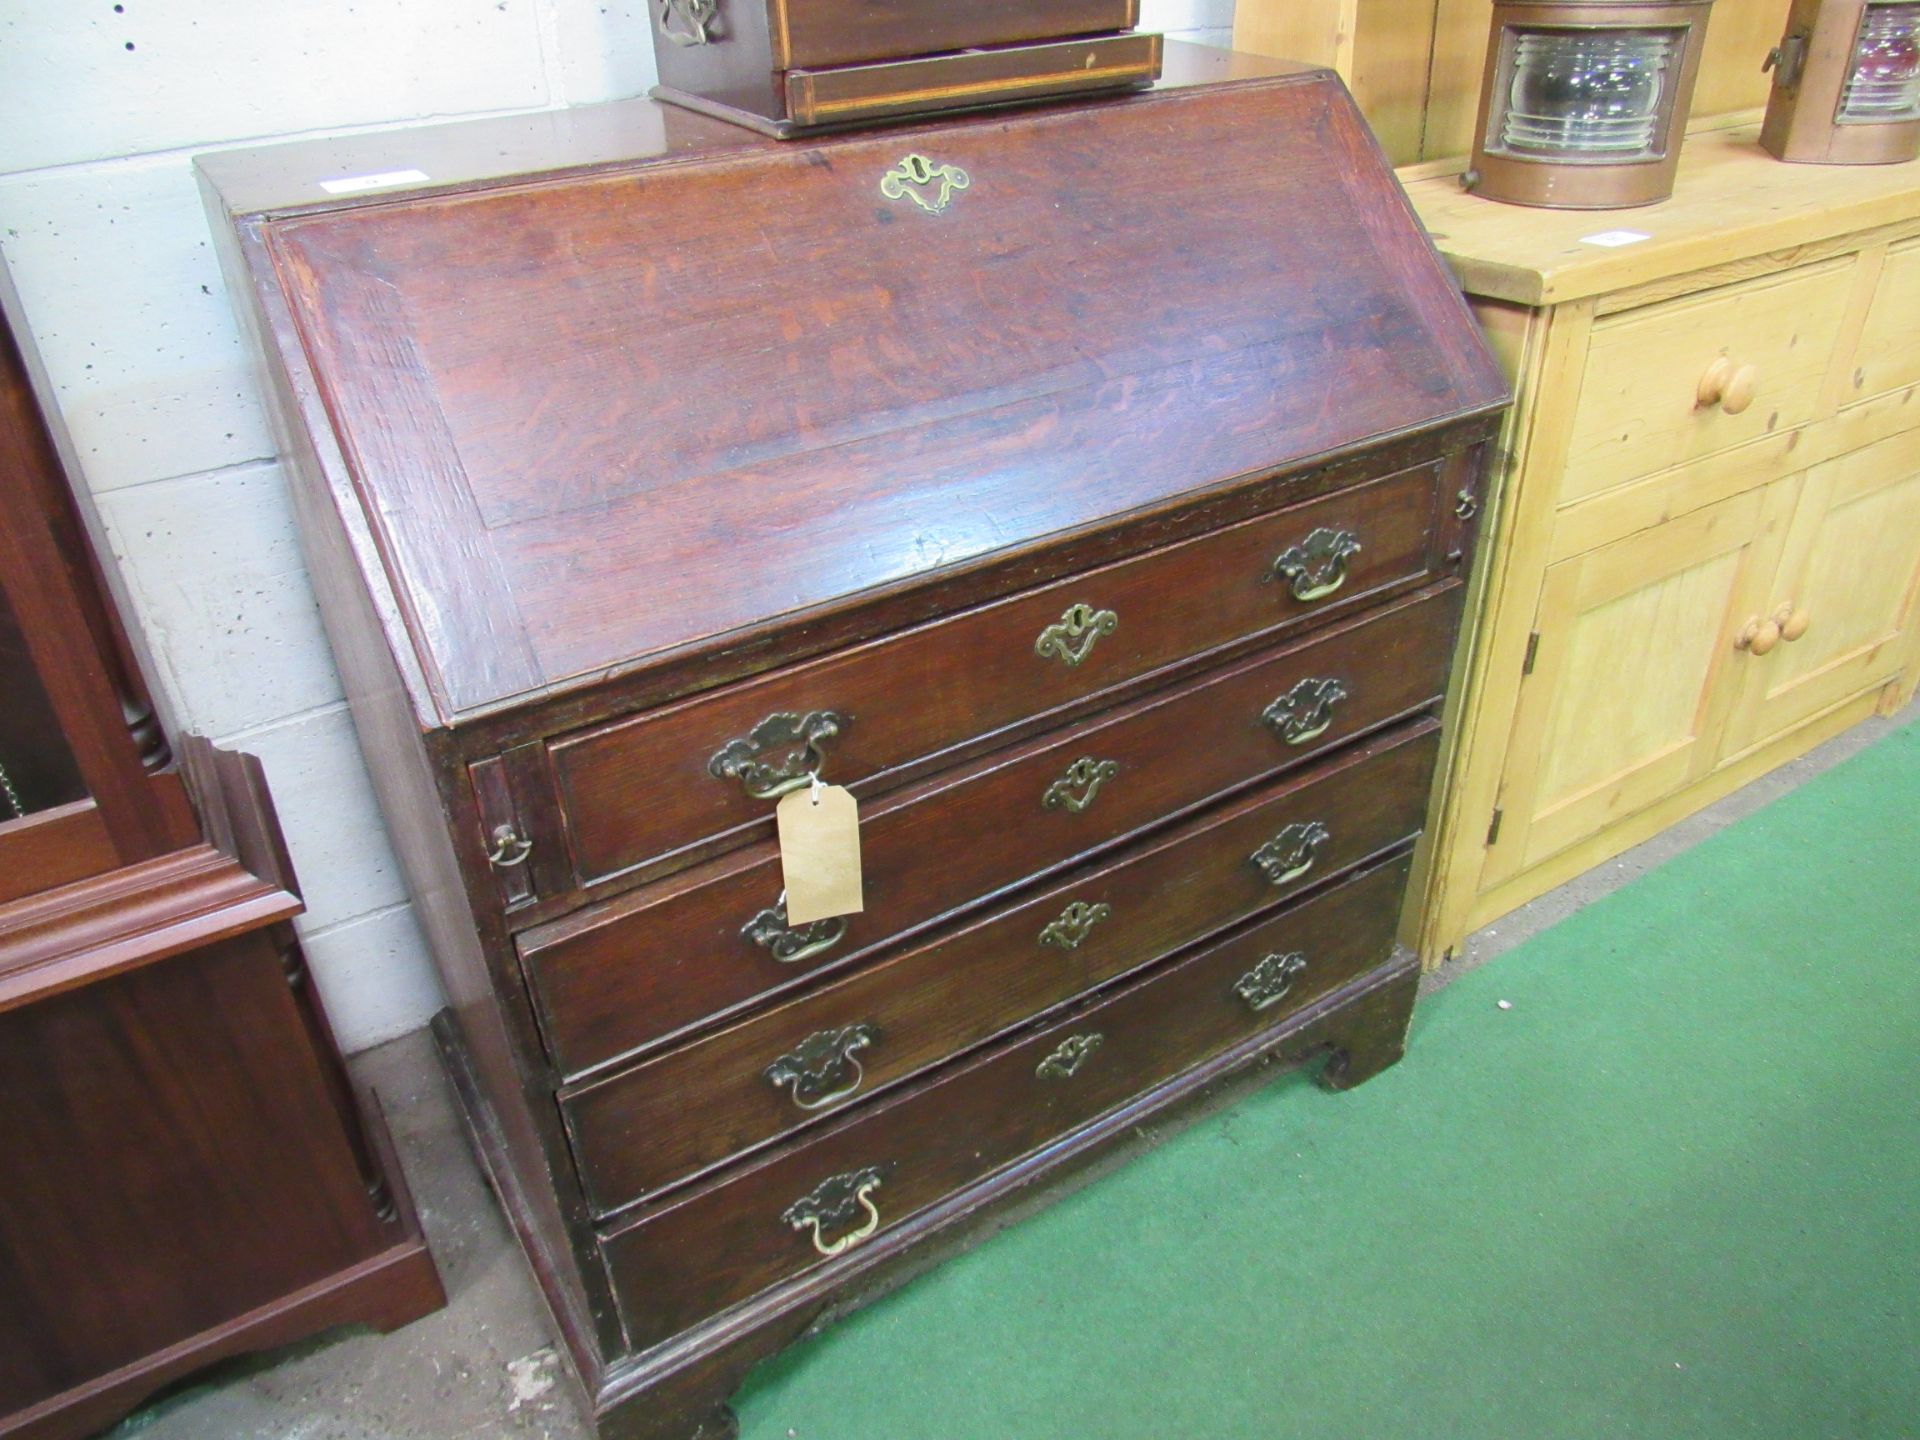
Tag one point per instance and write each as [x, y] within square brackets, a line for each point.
[820, 852]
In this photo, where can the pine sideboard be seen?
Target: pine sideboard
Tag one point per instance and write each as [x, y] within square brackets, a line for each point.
[1704, 544]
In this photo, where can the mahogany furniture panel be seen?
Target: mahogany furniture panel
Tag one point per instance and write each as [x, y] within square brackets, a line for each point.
[188, 1172]
[640, 489]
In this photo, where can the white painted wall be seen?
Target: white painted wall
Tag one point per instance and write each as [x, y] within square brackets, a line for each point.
[102, 106]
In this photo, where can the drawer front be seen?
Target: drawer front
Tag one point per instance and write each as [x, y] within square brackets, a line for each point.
[678, 1264]
[640, 789]
[711, 939]
[971, 78]
[1674, 382]
[707, 1102]
[844, 32]
[1889, 353]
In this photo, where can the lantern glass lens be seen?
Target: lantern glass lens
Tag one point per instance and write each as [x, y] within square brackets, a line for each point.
[1885, 80]
[1591, 92]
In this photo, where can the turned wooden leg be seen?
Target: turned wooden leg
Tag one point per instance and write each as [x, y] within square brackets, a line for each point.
[1371, 1034]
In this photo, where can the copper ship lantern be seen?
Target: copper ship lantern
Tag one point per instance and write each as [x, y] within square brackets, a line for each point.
[1846, 83]
[1583, 104]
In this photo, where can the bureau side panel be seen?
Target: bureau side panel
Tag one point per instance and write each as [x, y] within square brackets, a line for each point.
[495, 1028]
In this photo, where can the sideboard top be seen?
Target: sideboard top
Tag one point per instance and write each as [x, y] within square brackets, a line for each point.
[589, 422]
[1731, 202]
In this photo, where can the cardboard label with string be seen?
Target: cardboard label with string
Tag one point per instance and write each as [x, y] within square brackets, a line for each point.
[820, 852]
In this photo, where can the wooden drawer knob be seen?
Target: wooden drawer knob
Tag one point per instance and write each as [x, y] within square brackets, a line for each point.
[1758, 637]
[1793, 623]
[1732, 387]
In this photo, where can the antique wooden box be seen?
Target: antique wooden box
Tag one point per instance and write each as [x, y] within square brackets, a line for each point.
[785, 67]
[1088, 488]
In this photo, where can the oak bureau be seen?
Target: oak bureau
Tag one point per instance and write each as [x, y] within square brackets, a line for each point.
[1088, 488]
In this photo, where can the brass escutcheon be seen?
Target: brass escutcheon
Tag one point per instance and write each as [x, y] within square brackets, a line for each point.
[1086, 775]
[1076, 922]
[915, 176]
[1071, 638]
[1069, 1055]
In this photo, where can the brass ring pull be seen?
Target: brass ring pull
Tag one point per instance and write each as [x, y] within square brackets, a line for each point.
[1306, 711]
[1076, 922]
[510, 848]
[1466, 504]
[823, 1069]
[1317, 566]
[832, 1203]
[1269, 982]
[780, 754]
[788, 945]
[1072, 637]
[1291, 853]
[1086, 775]
[1069, 1055]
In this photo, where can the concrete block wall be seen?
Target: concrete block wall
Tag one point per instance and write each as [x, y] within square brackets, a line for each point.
[102, 107]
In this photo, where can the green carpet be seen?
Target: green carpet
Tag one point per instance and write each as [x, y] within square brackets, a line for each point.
[1673, 1192]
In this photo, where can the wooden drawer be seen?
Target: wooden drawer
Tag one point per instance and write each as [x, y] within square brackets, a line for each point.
[648, 965]
[693, 1256]
[637, 1131]
[1641, 404]
[639, 789]
[1889, 352]
[845, 32]
[970, 78]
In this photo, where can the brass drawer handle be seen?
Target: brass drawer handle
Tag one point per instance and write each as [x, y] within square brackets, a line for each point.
[823, 1069]
[1305, 711]
[1069, 1055]
[790, 946]
[685, 22]
[1086, 775]
[510, 848]
[1267, 984]
[1317, 566]
[1291, 853]
[832, 1203]
[780, 754]
[1076, 922]
[1072, 637]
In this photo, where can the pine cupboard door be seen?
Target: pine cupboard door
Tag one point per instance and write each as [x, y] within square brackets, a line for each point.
[1629, 686]
[1889, 352]
[1845, 596]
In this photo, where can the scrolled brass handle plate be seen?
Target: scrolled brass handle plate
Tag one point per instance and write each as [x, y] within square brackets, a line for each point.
[1317, 566]
[1071, 638]
[824, 1068]
[510, 848]
[791, 945]
[1069, 1055]
[1084, 776]
[1291, 853]
[833, 1203]
[1075, 923]
[1304, 712]
[780, 754]
[1269, 982]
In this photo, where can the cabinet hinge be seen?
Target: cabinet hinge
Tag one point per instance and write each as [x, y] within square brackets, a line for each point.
[1533, 653]
[1493, 829]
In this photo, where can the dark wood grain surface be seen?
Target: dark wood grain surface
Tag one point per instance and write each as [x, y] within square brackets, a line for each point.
[844, 32]
[636, 1132]
[683, 1261]
[729, 441]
